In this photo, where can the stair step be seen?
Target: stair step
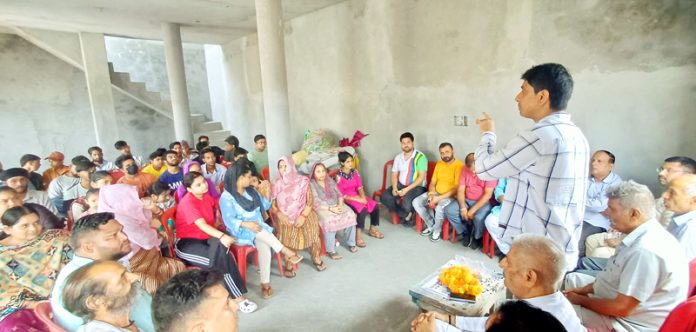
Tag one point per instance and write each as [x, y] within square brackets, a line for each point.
[207, 126]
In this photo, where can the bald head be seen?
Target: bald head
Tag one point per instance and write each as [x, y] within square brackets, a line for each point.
[534, 266]
[680, 196]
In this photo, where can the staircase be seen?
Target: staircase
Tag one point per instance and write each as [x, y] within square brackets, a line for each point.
[137, 90]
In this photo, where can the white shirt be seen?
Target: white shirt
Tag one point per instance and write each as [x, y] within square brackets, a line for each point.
[99, 326]
[547, 169]
[649, 266]
[217, 176]
[556, 304]
[407, 167]
[106, 166]
[683, 227]
[41, 198]
[61, 184]
[597, 200]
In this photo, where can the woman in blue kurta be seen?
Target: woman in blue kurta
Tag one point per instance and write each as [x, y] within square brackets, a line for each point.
[241, 206]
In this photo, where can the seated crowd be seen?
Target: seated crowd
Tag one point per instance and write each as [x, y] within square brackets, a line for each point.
[90, 237]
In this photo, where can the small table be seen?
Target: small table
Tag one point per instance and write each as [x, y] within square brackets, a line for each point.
[431, 296]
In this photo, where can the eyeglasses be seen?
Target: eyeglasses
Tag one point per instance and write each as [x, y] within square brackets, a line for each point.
[669, 170]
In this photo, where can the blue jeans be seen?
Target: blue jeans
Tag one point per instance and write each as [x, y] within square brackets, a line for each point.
[455, 218]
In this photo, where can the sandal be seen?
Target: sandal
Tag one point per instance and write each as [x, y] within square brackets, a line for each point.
[334, 255]
[375, 233]
[353, 249]
[360, 243]
[290, 273]
[295, 259]
[321, 266]
[266, 290]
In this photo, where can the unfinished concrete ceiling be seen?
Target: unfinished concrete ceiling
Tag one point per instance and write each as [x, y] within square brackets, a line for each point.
[202, 21]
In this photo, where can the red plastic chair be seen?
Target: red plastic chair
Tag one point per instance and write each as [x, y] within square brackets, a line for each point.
[166, 215]
[242, 252]
[45, 313]
[265, 173]
[488, 244]
[682, 318]
[385, 173]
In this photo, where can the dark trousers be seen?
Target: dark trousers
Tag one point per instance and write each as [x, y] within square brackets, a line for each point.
[211, 254]
[362, 215]
[587, 230]
[406, 207]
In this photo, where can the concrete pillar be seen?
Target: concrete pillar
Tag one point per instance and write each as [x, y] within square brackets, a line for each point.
[98, 80]
[174, 56]
[269, 24]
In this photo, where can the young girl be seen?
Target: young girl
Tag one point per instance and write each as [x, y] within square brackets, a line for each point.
[160, 195]
[92, 199]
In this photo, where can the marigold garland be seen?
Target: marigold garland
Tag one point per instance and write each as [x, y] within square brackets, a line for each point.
[460, 280]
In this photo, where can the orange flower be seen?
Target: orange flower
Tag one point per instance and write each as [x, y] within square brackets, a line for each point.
[460, 280]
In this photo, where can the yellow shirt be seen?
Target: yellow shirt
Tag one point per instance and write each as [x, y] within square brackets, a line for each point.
[446, 176]
[150, 170]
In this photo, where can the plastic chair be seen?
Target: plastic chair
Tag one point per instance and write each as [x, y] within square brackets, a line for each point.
[488, 244]
[265, 173]
[242, 252]
[692, 277]
[45, 313]
[166, 215]
[446, 231]
[682, 318]
[385, 173]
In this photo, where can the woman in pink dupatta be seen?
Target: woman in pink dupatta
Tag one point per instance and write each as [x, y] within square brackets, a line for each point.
[296, 222]
[146, 259]
[193, 165]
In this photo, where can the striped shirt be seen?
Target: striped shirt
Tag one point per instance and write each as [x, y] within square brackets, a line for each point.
[410, 169]
[547, 168]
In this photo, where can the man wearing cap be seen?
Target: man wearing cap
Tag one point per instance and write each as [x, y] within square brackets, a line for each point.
[32, 163]
[61, 185]
[17, 179]
[55, 159]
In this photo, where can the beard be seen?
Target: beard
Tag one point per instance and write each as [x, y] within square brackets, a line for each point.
[122, 304]
[447, 159]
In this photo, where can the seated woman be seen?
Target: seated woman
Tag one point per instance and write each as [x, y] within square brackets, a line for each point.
[9, 198]
[194, 166]
[350, 185]
[334, 215]
[199, 242]
[145, 259]
[241, 207]
[30, 258]
[298, 225]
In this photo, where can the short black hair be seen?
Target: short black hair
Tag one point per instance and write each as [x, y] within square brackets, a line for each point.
[94, 148]
[15, 213]
[122, 158]
[173, 144]
[259, 137]
[88, 224]
[27, 158]
[6, 189]
[190, 177]
[686, 162]
[170, 152]
[156, 154]
[343, 156]
[612, 157]
[202, 137]
[232, 140]
[555, 79]
[82, 163]
[180, 296]
[161, 150]
[157, 188]
[208, 150]
[445, 144]
[98, 175]
[120, 145]
[239, 151]
[520, 316]
[406, 135]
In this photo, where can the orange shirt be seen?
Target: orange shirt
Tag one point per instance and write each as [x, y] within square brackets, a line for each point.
[141, 181]
[53, 173]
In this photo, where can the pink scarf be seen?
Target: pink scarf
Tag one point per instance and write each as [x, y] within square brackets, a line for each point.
[122, 200]
[290, 190]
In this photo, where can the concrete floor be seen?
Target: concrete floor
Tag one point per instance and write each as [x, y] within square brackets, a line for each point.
[365, 291]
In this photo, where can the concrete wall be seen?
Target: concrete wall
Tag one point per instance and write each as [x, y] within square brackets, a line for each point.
[44, 106]
[386, 67]
[144, 61]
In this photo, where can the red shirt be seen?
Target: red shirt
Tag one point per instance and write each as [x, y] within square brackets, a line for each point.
[475, 187]
[191, 209]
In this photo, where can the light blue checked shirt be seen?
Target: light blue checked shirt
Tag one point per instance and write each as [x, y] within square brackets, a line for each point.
[546, 167]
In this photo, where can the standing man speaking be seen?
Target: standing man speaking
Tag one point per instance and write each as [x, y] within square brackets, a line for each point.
[546, 165]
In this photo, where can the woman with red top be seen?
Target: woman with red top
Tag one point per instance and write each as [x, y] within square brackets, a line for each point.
[199, 243]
